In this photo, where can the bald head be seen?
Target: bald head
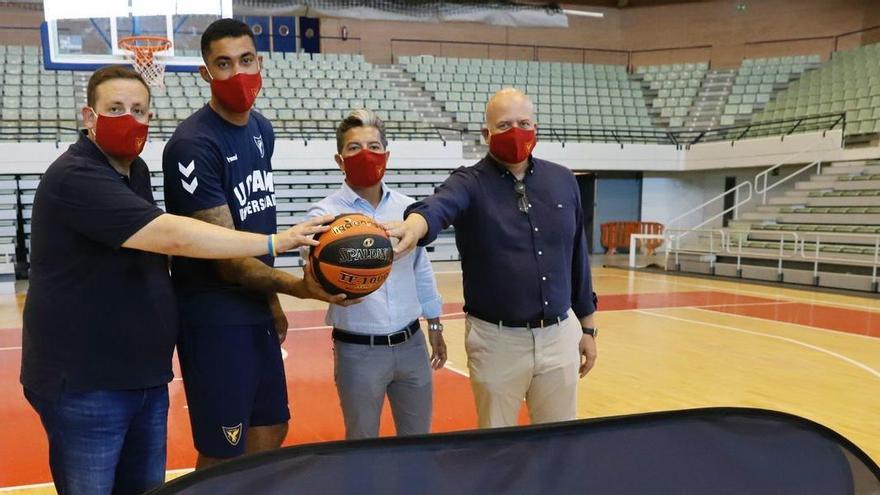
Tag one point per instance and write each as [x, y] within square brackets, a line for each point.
[508, 108]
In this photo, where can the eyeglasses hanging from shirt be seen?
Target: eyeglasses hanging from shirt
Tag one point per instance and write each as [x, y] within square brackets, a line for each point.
[522, 200]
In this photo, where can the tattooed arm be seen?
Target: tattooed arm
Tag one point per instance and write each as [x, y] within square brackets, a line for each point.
[256, 275]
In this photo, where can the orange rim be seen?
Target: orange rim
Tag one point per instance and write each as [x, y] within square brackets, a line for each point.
[145, 46]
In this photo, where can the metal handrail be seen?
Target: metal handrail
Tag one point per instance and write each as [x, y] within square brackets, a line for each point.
[782, 127]
[818, 258]
[564, 133]
[761, 178]
[740, 235]
[780, 256]
[747, 185]
[673, 243]
[811, 254]
[762, 190]
[675, 240]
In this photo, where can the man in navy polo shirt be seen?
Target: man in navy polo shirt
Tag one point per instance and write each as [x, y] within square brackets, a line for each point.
[218, 169]
[100, 321]
[527, 291]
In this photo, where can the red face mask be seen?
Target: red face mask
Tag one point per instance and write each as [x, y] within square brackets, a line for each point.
[513, 145]
[239, 92]
[366, 168]
[120, 136]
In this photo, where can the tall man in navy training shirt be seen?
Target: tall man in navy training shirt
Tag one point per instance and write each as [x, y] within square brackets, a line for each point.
[218, 169]
[100, 321]
[527, 289]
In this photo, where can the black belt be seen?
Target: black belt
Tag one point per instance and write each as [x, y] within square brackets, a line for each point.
[391, 339]
[539, 323]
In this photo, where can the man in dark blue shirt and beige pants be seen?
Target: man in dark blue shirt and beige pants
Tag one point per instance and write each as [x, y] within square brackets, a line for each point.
[527, 290]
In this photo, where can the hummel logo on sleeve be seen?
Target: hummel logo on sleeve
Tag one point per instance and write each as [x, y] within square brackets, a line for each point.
[230, 159]
[186, 172]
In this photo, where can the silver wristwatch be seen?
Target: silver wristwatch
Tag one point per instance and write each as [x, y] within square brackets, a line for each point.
[435, 327]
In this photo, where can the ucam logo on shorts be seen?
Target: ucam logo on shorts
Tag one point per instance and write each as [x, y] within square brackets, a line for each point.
[232, 433]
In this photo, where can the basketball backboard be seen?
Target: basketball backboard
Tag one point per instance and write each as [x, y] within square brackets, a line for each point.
[85, 34]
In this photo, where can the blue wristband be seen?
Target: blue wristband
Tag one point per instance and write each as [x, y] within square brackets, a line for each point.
[270, 244]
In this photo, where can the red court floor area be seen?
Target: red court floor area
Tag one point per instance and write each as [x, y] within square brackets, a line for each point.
[309, 366]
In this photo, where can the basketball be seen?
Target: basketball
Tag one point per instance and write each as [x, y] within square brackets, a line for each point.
[354, 257]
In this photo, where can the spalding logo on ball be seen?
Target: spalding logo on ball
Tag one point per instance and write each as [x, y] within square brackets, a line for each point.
[354, 257]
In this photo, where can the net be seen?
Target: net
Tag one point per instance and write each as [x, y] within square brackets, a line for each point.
[141, 50]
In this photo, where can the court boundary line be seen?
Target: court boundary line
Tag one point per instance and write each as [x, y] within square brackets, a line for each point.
[461, 315]
[36, 486]
[652, 278]
[455, 370]
[33, 486]
[790, 340]
[809, 327]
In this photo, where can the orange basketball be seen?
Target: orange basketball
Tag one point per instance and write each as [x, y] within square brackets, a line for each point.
[354, 257]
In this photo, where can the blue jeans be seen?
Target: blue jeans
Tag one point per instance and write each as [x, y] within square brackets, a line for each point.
[105, 442]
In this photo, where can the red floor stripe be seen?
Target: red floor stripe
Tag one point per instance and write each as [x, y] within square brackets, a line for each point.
[620, 302]
[617, 302]
[824, 317]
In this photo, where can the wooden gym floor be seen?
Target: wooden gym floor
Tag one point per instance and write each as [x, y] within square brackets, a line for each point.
[667, 342]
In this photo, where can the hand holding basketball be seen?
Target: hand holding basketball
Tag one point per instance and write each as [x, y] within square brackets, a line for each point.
[408, 232]
[301, 234]
[354, 256]
[316, 291]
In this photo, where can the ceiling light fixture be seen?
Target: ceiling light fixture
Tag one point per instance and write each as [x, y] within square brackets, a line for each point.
[583, 13]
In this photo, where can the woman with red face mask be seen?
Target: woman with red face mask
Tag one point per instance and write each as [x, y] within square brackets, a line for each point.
[379, 347]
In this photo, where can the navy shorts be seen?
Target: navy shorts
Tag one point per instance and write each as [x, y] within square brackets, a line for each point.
[234, 379]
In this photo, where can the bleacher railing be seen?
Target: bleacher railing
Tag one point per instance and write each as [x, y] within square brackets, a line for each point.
[806, 247]
[814, 254]
[784, 127]
[58, 130]
[684, 138]
[38, 130]
[301, 130]
[620, 135]
[516, 50]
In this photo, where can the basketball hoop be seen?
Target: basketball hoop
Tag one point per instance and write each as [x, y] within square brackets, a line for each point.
[141, 50]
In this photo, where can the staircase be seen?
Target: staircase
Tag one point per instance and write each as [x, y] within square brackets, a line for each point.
[823, 230]
[708, 105]
[421, 100]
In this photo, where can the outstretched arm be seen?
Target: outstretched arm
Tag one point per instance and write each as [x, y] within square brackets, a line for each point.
[254, 274]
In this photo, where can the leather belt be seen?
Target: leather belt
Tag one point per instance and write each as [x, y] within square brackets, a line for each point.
[390, 340]
[538, 323]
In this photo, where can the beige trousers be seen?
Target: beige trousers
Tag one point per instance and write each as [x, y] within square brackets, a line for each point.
[509, 364]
